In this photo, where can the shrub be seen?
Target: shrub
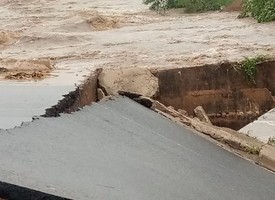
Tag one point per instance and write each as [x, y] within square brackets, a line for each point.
[262, 10]
[154, 3]
[191, 6]
[249, 66]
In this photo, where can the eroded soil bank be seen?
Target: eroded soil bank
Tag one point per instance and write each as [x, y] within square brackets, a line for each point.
[83, 95]
[229, 98]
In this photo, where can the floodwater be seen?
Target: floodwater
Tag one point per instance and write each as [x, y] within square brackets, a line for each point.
[61, 29]
[79, 36]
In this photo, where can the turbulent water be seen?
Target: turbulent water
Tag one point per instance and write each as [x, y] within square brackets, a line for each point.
[124, 33]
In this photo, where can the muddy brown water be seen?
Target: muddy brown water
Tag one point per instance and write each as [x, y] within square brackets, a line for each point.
[65, 30]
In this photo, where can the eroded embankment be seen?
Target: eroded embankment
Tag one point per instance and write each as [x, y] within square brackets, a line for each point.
[83, 95]
[222, 90]
[228, 97]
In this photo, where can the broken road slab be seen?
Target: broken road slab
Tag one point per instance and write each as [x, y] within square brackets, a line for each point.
[263, 128]
[118, 149]
[267, 157]
[20, 102]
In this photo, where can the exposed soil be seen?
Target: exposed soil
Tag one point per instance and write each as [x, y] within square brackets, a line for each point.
[228, 97]
[135, 80]
[83, 95]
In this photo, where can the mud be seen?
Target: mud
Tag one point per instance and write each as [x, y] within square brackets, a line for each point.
[135, 80]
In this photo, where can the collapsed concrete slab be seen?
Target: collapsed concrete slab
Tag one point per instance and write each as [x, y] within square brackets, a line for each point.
[263, 128]
[267, 157]
[201, 114]
[118, 149]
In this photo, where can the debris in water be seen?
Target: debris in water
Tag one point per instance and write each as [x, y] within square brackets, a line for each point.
[3, 69]
[24, 75]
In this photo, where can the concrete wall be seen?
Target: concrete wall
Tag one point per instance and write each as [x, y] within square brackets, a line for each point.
[220, 89]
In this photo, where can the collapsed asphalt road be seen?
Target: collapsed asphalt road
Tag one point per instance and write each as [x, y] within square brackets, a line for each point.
[118, 149]
[20, 105]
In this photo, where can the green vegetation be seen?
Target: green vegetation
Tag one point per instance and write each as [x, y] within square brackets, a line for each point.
[249, 65]
[154, 4]
[194, 6]
[191, 6]
[253, 150]
[262, 10]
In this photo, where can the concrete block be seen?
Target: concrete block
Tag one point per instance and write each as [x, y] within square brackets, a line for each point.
[267, 157]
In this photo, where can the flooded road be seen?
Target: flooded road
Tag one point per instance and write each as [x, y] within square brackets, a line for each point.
[79, 36]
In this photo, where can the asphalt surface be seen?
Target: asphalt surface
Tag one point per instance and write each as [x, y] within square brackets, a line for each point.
[20, 102]
[118, 149]
[22, 99]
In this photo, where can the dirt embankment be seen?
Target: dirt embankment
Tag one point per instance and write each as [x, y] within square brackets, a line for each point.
[229, 98]
[135, 80]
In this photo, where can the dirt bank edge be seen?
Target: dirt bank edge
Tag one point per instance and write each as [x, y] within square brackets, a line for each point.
[83, 95]
[130, 82]
[135, 80]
